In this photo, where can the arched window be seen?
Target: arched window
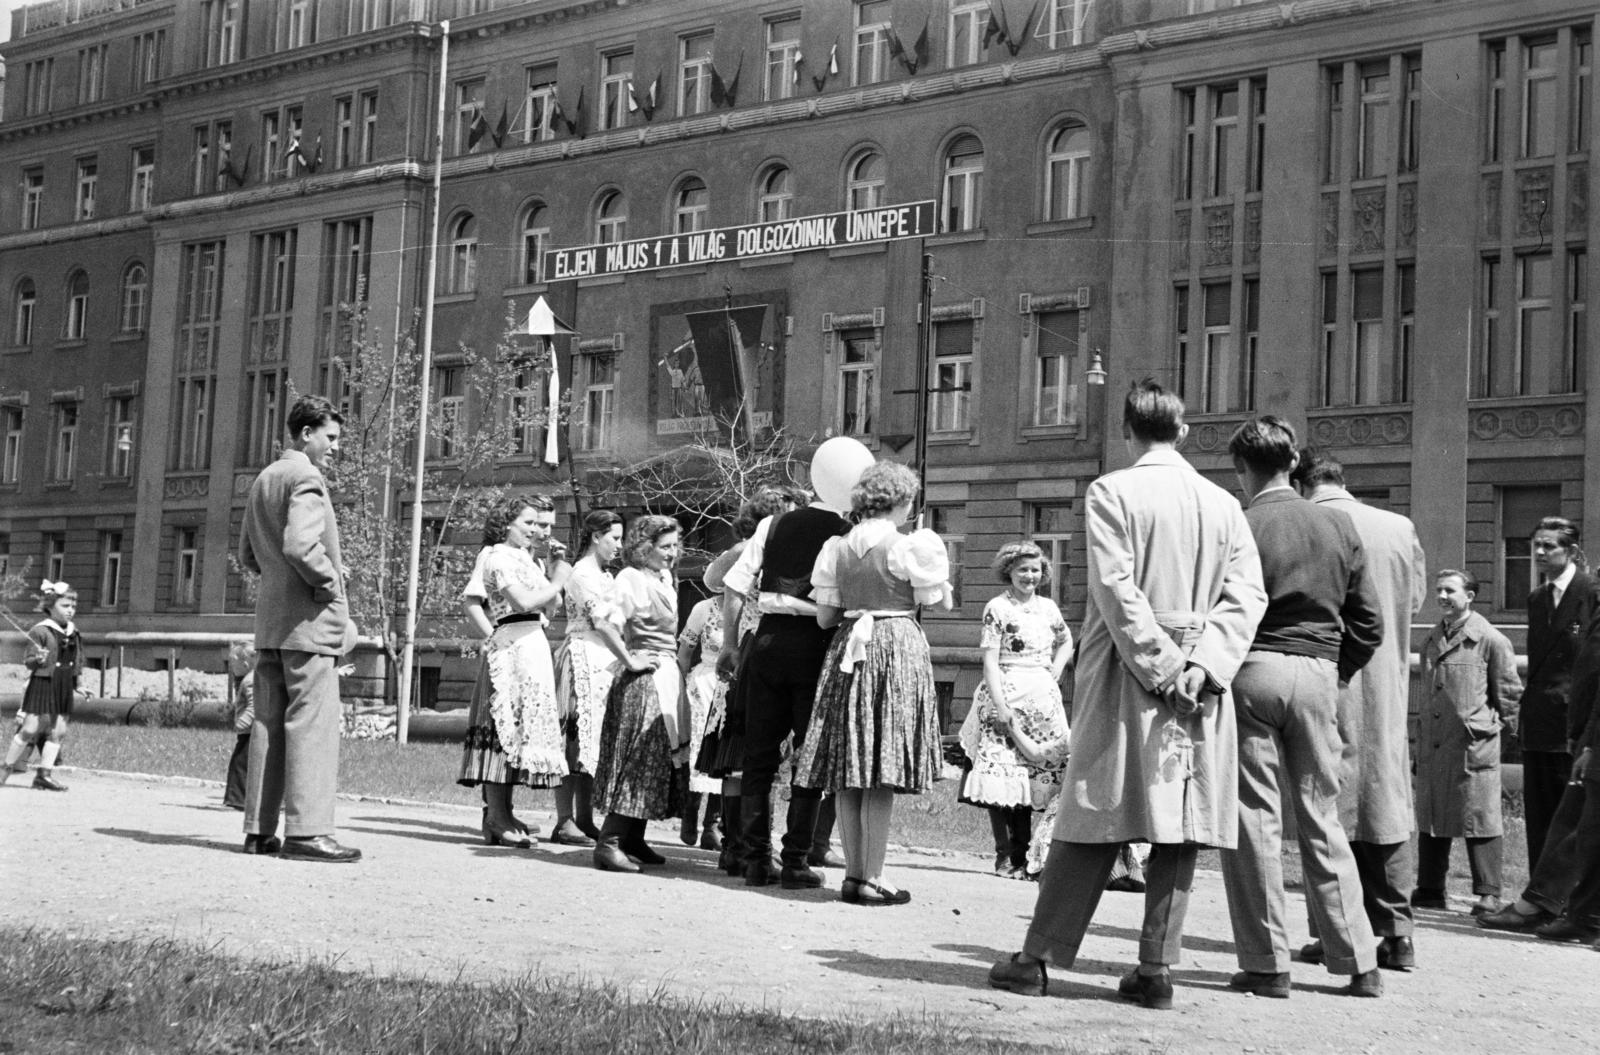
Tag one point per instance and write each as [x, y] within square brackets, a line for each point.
[77, 316]
[864, 184]
[775, 195]
[22, 308]
[611, 218]
[535, 239]
[691, 206]
[462, 275]
[1067, 172]
[135, 298]
[963, 185]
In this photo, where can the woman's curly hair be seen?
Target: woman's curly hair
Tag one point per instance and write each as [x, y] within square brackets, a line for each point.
[644, 533]
[505, 513]
[768, 502]
[1014, 553]
[883, 486]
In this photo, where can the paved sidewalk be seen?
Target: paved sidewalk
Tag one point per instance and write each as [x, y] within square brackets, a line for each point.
[147, 858]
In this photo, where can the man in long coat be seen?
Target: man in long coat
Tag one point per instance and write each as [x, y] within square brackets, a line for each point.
[1175, 593]
[1375, 804]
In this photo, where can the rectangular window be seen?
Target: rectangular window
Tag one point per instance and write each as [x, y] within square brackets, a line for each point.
[1067, 23]
[450, 401]
[1258, 135]
[600, 384]
[110, 594]
[1411, 114]
[1050, 528]
[225, 173]
[1366, 332]
[299, 24]
[76, 326]
[950, 523]
[88, 179]
[1583, 62]
[222, 29]
[344, 131]
[1055, 346]
[969, 43]
[91, 74]
[1577, 320]
[952, 378]
[1535, 344]
[525, 412]
[1484, 383]
[38, 84]
[347, 261]
[871, 42]
[55, 556]
[694, 74]
[200, 313]
[10, 444]
[148, 49]
[64, 453]
[1405, 336]
[119, 437]
[539, 104]
[858, 368]
[616, 82]
[266, 358]
[783, 57]
[1375, 155]
[1521, 509]
[368, 104]
[1224, 129]
[1495, 111]
[142, 179]
[1539, 61]
[272, 144]
[471, 125]
[32, 198]
[1188, 105]
[1333, 126]
[200, 161]
[22, 324]
[186, 567]
[1220, 364]
[1180, 325]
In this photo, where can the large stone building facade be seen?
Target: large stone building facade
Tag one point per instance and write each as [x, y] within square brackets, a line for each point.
[1368, 216]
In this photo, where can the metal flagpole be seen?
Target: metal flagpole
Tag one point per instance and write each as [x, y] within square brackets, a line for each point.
[414, 557]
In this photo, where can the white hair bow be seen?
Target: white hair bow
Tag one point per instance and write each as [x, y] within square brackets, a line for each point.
[54, 587]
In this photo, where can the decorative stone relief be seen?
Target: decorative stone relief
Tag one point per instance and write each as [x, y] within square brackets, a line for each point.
[242, 482]
[1406, 216]
[1210, 437]
[187, 486]
[1533, 203]
[1180, 240]
[1528, 423]
[1330, 224]
[1367, 206]
[1491, 207]
[1252, 232]
[1219, 235]
[1362, 430]
[1577, 199]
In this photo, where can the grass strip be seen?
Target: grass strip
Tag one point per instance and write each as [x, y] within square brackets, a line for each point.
[61, 994]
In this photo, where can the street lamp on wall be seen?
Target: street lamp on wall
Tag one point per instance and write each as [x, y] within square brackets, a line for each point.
[1096, 374]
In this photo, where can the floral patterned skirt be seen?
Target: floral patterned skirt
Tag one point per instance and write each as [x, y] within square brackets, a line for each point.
[877, 726]
[585, 669]
[999, 775]
[634, 775]
[708, 696]
[513, 728]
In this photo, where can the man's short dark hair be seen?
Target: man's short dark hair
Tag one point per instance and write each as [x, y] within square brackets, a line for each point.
[312, 412]
[1317, 467]
[1151, 413]
[1265, 445]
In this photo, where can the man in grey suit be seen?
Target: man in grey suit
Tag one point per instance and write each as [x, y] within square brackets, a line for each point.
[1375, 803]
[302, 628]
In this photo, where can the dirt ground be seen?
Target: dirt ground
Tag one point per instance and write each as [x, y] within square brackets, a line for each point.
[155, 857]
[135, 682]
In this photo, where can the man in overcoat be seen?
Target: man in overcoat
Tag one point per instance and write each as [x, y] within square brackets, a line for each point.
[1375, 803]
[1175, 593]
[303, 626]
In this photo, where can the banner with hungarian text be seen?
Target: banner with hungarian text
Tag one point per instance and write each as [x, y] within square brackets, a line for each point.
[724, 244]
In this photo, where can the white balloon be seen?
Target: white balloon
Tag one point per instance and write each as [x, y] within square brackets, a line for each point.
[836, 468]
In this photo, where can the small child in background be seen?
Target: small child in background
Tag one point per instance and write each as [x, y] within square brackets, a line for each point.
[54, 656]
[241, 669]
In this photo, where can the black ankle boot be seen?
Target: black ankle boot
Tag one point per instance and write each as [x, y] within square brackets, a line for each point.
[608, 854]
[689, 823]
[800, 830]
[731, 860]
[757, 849]
[634, 846]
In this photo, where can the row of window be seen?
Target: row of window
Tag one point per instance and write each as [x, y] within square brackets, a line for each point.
[132, 314]
[109, 591]
[62, 453]
[145, 66]
[86, 187]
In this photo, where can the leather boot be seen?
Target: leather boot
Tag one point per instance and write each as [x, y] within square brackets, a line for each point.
[709, 840]
[583, 805]
[731, 859]
[801, 827]
[758, 870]
[689, 824]
[608, 855]
[634, 846]
[822, 854]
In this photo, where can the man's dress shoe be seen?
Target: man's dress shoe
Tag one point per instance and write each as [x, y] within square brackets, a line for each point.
[1397, 953]
[319, 848]
[1564, 928]
[262, 844]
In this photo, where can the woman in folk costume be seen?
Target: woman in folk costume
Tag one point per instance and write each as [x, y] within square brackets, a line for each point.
[875, 727]
[647, 717]
[583, 676]
[54, 656]
[698, 646]
[513, 729]
[1026, 648]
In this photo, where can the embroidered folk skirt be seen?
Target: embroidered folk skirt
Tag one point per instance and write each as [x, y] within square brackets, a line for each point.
[585, 669]
[634, 774]
[514, 729]
[708, 696]
[999, 775]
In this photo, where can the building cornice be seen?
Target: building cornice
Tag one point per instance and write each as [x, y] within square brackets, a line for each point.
[415, 35]
[1235, 21]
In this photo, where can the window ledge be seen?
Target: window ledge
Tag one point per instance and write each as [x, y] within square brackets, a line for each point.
[1076, 223]
[858, 250]
[129, 337]
[960, 437]
[681, 270]
[455, 298]
[68, 343]
[602, 280]
[16, 349]
[58, 485]
[522, 291]
[780, 260]
[115, 481]
[977, 234]
[1068, 431]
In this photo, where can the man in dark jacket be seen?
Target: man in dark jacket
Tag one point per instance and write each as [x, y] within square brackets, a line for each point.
[1322, 624]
